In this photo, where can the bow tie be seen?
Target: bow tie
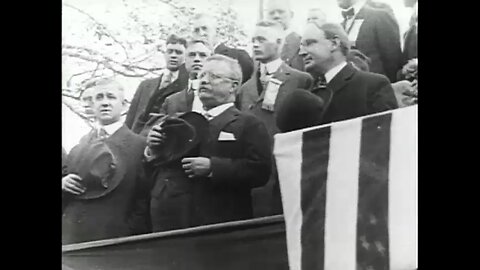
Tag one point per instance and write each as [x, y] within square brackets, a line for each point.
[348, 13]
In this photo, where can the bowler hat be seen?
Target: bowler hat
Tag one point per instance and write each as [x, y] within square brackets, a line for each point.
[100, 169]
[300, 109]
[184, 135]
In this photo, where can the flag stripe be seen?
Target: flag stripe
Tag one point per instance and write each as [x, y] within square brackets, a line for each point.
[288, 155]
[372, 223]
[315, 152]
[342, 197]
[403, 190]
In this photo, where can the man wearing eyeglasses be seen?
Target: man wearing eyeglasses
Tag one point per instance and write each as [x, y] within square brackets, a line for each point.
[237, 157]
[271, 82]
[151, 93]
[346, 91]
[205, 28]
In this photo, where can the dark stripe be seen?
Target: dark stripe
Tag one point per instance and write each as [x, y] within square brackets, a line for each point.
[372, 223]
[315, 154]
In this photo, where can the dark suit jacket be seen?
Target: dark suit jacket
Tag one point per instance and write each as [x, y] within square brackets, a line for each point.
[237, 167]
[148, 95]
[290, 50]
[249, 99]
[246, 63]
[379, 39]
[123, 211]
[178, 103]
[353, 93]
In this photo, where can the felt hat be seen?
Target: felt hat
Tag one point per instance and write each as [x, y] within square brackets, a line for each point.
[99, 167]
[300, 109]
[185, 134]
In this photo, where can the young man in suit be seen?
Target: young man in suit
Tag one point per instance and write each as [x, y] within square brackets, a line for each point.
[375, 33]
[237, 156]
[204, 28]
[347, 92]
[265, 91]
[151, 93]
[120, 206]
[187, 99]
[280, 11]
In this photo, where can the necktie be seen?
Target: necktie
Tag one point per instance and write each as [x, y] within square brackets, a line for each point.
[321, 82]
[347, 14]
[166, 80]
[101, 134]
[264, 76]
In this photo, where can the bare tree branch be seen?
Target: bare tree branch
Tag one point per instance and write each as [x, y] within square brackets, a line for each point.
[104, 28]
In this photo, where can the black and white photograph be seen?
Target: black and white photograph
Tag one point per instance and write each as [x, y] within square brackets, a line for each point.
[239, 134]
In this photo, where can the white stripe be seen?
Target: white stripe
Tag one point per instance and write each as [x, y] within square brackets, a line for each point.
[342, 197]
[403, 190]
[288, 155]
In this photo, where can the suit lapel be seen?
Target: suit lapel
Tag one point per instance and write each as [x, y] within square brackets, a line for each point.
[189, 99]
[341, 79]
[219, 122]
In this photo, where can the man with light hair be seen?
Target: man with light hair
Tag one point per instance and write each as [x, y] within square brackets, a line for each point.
[237, 157]
[271, 82]
[280, 11]
[105, 194]
[205, 28]
[316, 15]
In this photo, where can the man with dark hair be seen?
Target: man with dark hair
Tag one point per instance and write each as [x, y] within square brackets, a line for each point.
[235, 159]
[375, 33]
[187, 100]
[280, 11]
[151, 93]
[104, 191]
[271, 82]
[347, 92]
[204, 28]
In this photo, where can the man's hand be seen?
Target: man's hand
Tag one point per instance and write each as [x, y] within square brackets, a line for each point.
[156, 136]
[71, 184]
[197, 166]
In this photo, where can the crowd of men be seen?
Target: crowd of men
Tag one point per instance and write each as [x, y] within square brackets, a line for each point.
[196, 145]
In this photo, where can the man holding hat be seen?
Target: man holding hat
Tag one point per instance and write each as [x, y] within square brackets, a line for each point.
[346, 91]
[235, 157]
[104, 192]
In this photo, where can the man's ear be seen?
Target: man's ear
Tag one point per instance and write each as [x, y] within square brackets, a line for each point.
[335, 44]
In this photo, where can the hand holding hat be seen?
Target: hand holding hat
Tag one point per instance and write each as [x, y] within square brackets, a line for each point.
[156, 136]
[72, 184]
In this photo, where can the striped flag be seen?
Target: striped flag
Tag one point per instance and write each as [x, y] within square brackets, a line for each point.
[349, 193]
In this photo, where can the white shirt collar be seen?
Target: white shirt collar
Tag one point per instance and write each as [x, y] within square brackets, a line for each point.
[193, 84]
[272, 66]
[214, 112]
[329, 75]
[112, 128]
